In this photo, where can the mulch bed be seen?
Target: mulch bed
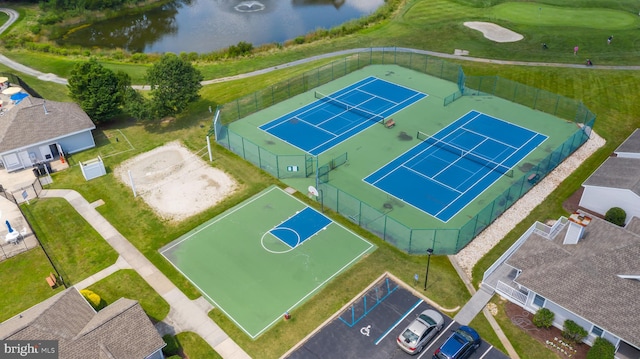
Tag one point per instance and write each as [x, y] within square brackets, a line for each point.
[522, 318]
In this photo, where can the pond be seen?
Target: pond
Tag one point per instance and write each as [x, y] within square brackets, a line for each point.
[207, 25]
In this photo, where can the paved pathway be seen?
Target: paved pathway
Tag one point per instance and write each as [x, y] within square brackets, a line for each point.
[478, 303]
[185, 314]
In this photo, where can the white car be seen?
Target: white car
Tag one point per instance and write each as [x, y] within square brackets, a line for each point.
[420, 331]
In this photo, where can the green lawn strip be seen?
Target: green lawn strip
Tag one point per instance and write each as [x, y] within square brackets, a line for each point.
[193, 346]
[481, 324]
[76, 249]
[25, 285]
[549, 15]
[526, 346]
[127, 283]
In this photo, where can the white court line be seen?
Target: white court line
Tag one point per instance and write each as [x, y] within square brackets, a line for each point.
[431, 178]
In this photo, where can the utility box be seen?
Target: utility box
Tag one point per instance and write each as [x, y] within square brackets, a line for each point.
[93, 168]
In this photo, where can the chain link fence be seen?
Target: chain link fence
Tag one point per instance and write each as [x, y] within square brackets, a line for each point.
[411, 240]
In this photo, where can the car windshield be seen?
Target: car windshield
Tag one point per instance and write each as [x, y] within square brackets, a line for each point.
[465, 335]
[409, 336]
[427, 319]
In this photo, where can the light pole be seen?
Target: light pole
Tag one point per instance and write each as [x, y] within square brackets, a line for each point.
[426, 276]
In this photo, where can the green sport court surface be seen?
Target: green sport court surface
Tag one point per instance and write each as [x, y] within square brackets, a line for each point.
[242, 262]
[376, 146]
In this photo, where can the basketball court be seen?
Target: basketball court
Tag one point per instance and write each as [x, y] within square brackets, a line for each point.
[264, 257]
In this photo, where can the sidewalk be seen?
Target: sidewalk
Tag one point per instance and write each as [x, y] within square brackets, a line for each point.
[185, 314]
[477, 303]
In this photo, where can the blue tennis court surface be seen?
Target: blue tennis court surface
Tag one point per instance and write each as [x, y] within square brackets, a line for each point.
[300, 227]
[335, 117]
[446, 171]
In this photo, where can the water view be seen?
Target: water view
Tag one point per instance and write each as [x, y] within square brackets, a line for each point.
[208, 25]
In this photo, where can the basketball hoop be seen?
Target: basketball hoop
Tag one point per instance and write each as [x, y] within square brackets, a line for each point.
[313, 191]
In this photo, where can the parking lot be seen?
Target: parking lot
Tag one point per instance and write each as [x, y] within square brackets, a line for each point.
[370, 326]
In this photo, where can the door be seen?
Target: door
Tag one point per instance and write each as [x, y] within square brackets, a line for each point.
[45, 152]
[24, 158]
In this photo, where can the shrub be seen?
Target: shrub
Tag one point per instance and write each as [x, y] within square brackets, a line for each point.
[616, 215]
[601, 349]
[573, 331]
[92, 298]
[172, 347]
[49, 19]
[543, 318]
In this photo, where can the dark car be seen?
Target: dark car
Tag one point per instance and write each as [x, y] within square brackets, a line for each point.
[462, 343]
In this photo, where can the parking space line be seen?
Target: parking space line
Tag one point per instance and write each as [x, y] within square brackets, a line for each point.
[434, 340]
[486, 352]
[398, 321]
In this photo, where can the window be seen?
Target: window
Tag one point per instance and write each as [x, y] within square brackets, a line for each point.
[539, 301]
[597, 331]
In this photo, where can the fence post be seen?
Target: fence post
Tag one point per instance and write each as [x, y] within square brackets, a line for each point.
[426, 63]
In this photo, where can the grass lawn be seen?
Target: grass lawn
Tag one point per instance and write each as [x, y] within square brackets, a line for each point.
[25, 285]
[75, 248]
[193, 346]
[434, 25]
[127, 283]
[523, 343]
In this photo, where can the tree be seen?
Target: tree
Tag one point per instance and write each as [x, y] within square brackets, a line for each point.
[136, 105]
[98, 90]
[174, 85]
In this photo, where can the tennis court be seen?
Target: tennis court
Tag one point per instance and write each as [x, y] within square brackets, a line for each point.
[333, 118]
[264, 257]
[445, 172]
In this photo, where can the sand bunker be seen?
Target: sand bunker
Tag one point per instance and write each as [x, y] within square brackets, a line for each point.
[175, 182]
[494, 32]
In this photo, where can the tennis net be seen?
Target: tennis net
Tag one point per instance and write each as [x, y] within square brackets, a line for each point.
[462, 153]
[354, 109]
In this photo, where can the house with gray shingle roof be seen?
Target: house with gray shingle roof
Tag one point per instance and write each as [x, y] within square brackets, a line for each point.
[37, 130]
[121, 330]
[581, 268]
[616, 183]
